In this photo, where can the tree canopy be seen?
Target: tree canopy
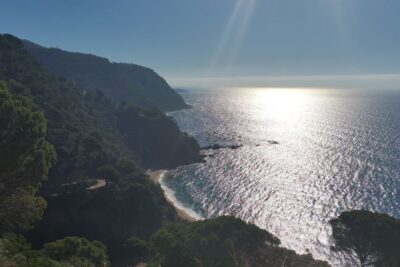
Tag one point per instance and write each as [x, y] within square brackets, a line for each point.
[25, 159]
[222, 242]
[68, 252]
[373, 237]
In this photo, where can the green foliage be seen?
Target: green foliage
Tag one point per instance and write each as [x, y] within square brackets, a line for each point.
[224, 241]
[77, 251]
[25, 159]
[208, 243]
[156, 139]
[80, 126]
[90, 144]
[110, 215]
[12, 247]
[121, 82]
[373, 237]
[133, 250]
[20, 210]
[68, 252]
[138, 246]
[87, 129]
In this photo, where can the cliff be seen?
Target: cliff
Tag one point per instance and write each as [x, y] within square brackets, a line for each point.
[97, 188]
[130, 83]
[91, 144]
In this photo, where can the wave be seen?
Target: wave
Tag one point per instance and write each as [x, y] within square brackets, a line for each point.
[171, 197]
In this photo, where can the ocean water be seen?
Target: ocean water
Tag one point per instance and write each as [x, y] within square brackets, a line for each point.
[306, 156]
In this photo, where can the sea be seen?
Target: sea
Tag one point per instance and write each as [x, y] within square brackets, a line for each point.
[305, 156]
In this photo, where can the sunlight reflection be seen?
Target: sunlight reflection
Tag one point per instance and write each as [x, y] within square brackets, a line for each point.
[282, 104]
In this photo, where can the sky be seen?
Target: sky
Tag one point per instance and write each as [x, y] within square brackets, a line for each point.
[193, 40]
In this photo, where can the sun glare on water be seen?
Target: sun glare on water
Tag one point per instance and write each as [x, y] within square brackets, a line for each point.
[286, 105]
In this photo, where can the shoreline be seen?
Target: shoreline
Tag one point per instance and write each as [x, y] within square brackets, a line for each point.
[157, 177]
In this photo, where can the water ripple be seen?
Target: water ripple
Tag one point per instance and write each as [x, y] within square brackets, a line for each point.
[337, 151]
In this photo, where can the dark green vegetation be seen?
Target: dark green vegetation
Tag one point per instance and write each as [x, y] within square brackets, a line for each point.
[223, 242]
[25, 159]
[121, 82]
[97, 189]
[70, 251]
[155, 139]
[373, 237]
[91, 135]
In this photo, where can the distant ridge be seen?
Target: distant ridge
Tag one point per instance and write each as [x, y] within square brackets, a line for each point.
[120, 81]
[181, 90]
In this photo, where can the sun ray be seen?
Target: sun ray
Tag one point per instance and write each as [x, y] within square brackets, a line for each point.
[232, 38]
[228, 31]
[242, 29]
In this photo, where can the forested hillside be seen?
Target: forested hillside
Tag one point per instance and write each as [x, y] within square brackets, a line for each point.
[87, 129]
[88, 135]
[225, 241]
[25, 158]
[73, 188]
[130, 83]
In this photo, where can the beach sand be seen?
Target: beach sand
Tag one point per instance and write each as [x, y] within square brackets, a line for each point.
[156, 177]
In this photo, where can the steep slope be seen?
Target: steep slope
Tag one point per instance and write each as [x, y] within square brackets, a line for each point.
[97, 139]
[83, 127]
[88, 130]
[119, 81]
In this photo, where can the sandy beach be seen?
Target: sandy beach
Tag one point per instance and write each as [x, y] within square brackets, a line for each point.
[156, 176]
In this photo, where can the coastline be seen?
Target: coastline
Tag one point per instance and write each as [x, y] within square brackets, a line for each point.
[157, 177]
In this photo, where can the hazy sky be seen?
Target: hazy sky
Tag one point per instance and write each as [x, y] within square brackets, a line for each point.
[223, 38]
